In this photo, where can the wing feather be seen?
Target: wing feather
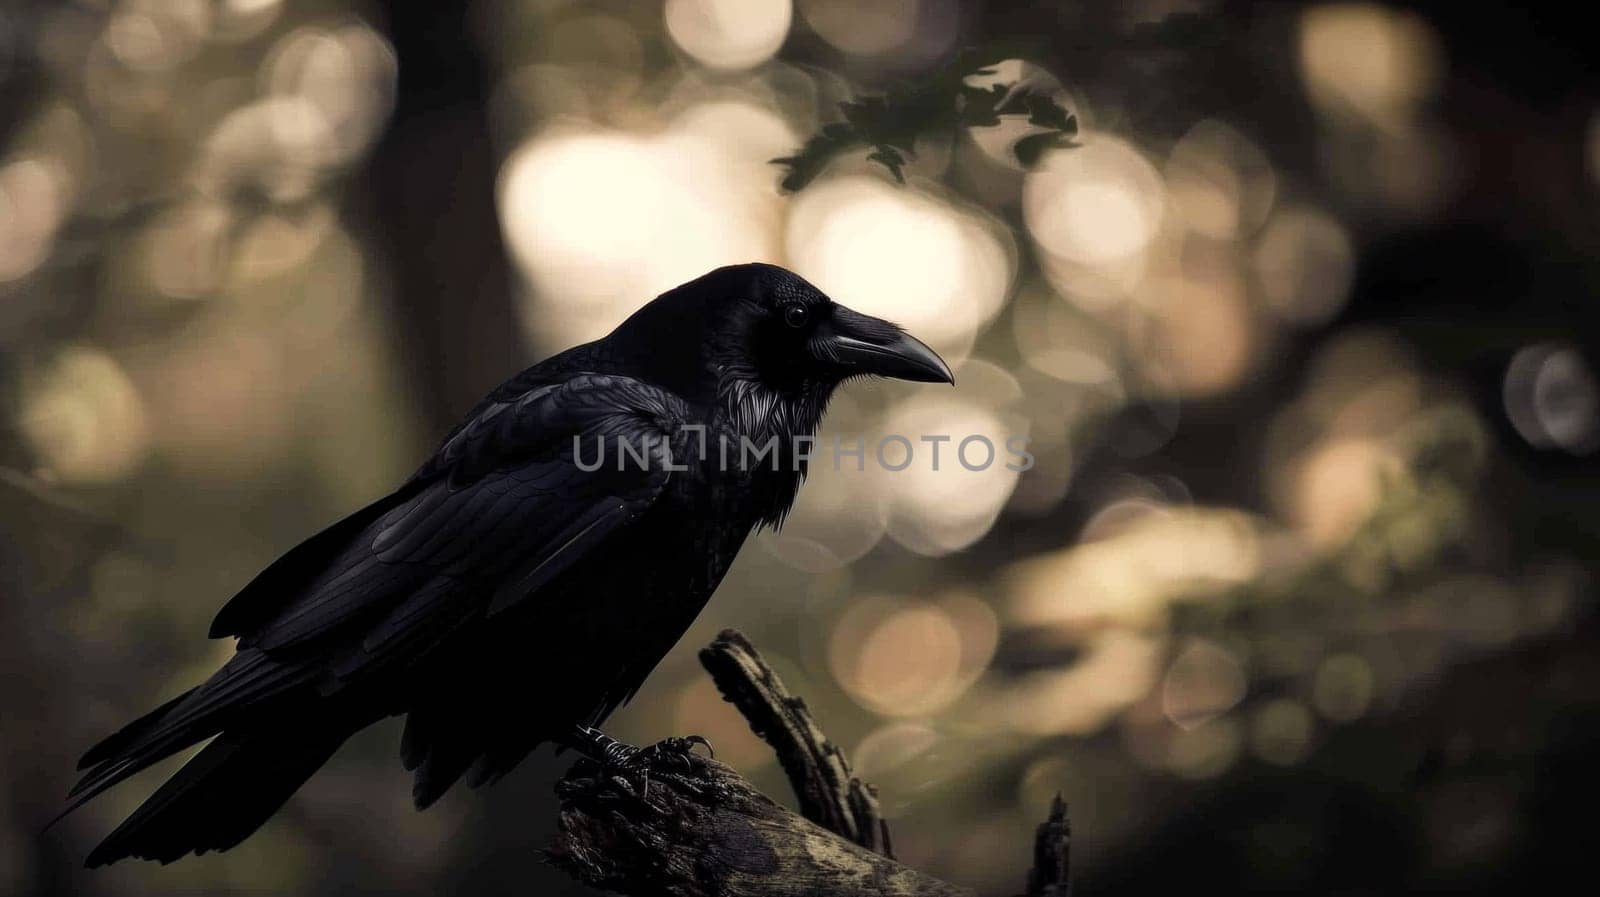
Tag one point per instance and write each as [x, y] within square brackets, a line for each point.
[500, 511]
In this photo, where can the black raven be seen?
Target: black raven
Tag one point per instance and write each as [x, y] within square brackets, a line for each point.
[522, 584]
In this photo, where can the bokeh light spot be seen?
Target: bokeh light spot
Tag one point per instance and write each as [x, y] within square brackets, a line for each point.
[1095, 204]
[33, 201]
[1207, 751]
[729, 34]
[1343, 687]
[938, 511]
[83, 417]
[1220, 181]
[1368, 59]
[1281, 730]
[1552, 398]
[1117, 667]
[601, 222]
[1303, 265]
[1204, 681]
[904, 255]
[1130, 577]
[905, 658]
[1337, 487]
[863, 27]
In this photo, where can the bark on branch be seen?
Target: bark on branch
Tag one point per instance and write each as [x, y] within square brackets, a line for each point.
[693, 827]
[828, 793]
[703, 831]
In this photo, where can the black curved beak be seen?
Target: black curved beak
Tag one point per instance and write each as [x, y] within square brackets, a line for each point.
[861, 344]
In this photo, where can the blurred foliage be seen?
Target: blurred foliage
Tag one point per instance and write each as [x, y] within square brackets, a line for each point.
[941, 103]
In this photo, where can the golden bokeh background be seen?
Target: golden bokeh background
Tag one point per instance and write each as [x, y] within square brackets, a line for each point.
[1301, 333]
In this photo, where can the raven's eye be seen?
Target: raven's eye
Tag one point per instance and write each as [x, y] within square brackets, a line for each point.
[796, 315]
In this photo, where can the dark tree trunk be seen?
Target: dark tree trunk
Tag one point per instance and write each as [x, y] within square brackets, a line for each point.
[431, 188]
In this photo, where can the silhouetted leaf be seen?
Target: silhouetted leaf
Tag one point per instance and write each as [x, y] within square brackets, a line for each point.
[1047, 113]
[1030, 148]
[888, 125]
[891, 160]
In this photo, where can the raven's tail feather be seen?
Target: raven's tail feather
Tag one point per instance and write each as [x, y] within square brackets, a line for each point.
[248, 679]
[222, 795]
[117, 743]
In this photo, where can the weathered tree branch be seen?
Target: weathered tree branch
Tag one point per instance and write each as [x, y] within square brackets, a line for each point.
[818, 772]
[688, 826]
[1051, 875]
[701, 830]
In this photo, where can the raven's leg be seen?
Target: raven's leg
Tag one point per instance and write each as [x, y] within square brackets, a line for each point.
[600, 747]
[618, 760]
[614, 754]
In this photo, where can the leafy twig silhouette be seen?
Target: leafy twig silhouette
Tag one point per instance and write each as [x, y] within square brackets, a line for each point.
[889, 124]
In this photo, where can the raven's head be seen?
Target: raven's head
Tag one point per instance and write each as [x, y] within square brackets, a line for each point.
[767, 349]
[769, 345]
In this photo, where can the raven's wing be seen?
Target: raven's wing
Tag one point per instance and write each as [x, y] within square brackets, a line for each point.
[504, 506]
[294, 572]
[501, 509]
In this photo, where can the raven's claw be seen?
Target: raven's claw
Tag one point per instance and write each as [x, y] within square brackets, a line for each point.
[678, 751]
[677, 754]
[701, 740]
